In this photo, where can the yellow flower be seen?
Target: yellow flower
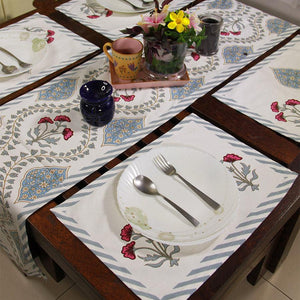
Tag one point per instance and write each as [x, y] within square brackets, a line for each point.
[179, 21]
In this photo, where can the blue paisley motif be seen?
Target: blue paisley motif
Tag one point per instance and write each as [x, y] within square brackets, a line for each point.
[120, 129]
[61, 90]
[192, 86]
[38, 181]
[221, 4]
[288, 77]
[277, 26]
[234, 54]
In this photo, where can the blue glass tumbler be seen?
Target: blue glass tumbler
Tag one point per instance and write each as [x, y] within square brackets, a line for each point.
[97, 104]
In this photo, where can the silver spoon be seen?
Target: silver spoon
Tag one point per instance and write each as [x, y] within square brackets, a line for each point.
[147, 186]
[20, 62]
[8, 69]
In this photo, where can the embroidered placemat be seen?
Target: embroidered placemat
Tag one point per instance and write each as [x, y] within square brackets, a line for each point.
[62, 47]
[154, 270]
[276, 102]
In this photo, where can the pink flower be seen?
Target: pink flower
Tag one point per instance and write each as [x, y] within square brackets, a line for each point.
[50, 39]
[274, 107]
[126, 233]
[45, 120]
[280, 117]
[116, 99]
[67, 133]
[109, 13]
[235, 32]
[128, 250]
[231, 158]
[154, 20]
[194, 21]
[50, 32]
[292, 102]
[195, 56]
[62, 118]
[225, 33]
[128, 98]
[93, 17]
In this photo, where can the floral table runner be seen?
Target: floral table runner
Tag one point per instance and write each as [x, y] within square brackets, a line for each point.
[44, 33]
[46, 147]
[276, 102]
[109, 23]
[154, 270]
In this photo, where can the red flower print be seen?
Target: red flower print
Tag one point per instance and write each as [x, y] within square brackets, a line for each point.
[67, 133]
[109, 13]
[50, 39]
[225, 33]
[231, 158]
[128, 98]
[93, 17]
[280, 117]
[195, 56]
[128, 250]
[235, 32]
[45, 120]
[274, 107]
[62, 118]
[292, 102]
[50, 32]
[116, 99]
[126, 233]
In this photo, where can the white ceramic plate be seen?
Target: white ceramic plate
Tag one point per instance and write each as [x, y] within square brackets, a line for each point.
[24, 45]
[156, 219]
[124, 7]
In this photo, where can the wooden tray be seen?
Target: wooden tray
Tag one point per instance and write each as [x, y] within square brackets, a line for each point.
[144, 80]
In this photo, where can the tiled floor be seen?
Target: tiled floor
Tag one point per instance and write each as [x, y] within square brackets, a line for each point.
[282, 285]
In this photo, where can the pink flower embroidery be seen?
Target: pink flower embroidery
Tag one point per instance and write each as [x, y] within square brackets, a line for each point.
[274, 107]
[128, 250]
[280, 117]
[45, 120]
[231, 158]
[195, 56]
[50, 39]
[225, 33]
[67, 133]
[126, 233]
[292, 102]
[128, 98]
[116, 99]
[109, 13]
[50, 32]
[62, 118]
[93, 17]
[235, 32]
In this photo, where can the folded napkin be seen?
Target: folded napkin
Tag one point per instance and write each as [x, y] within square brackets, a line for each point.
[154, 270]
[48, 45]
[107, 22]
[270, 91]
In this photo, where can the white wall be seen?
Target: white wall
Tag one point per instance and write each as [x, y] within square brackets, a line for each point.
[286, 9]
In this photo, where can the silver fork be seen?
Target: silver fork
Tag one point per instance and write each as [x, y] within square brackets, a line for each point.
[169, 169]
[20, 62]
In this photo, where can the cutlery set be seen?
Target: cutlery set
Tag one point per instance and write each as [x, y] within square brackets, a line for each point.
[145, 185]
[12, 69]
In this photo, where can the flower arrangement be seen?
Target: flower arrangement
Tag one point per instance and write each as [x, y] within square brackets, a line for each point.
[162, 24]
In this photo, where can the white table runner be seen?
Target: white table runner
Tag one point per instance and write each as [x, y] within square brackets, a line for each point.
[156, 271]
[270, 92]
[57, 39]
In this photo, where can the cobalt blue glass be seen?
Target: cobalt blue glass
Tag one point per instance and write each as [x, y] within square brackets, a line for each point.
[97, 104]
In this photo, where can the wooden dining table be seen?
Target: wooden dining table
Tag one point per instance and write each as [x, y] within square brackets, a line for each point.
[62, 253]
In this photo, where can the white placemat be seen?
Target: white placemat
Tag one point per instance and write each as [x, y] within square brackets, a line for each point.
[270, 91]
[159, 271]
[62, 48]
